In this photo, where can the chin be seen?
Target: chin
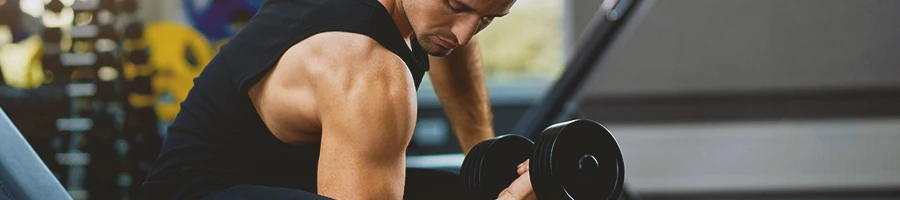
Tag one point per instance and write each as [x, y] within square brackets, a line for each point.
[434, 49]
[438, 51]
[439, 54]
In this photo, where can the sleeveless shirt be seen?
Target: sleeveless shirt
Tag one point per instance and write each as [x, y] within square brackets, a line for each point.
[218, 140]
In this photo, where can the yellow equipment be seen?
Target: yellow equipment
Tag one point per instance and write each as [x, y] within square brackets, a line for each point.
[21, 63]
[178, 53]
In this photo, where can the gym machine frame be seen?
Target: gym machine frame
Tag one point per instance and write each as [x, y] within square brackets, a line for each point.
[594, 46]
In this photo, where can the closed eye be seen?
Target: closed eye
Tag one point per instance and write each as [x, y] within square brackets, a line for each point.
[456, 7]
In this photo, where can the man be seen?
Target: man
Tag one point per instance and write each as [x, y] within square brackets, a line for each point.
[317, 98]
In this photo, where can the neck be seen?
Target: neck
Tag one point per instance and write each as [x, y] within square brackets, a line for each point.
[395, 9]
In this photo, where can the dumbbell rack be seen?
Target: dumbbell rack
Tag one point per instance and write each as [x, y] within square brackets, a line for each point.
[141, 125]
[79, 65]
[94, 147]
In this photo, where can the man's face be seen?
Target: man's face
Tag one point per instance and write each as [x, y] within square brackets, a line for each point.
[442, 25]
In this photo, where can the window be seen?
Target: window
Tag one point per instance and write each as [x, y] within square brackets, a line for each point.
[524, 47]
[522, 55]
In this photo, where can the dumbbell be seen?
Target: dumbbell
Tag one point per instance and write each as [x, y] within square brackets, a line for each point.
[55, 6]
[129, 6]
[578, 159]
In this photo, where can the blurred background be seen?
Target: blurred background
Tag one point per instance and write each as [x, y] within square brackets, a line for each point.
[709, 99]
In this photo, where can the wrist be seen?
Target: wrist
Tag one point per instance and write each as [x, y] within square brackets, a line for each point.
[470, 138]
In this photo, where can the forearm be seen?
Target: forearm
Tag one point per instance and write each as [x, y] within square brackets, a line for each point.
[459, 82]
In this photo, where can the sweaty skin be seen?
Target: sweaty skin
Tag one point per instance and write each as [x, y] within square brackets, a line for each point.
[358, 99]
[458, 81]
[359, 95]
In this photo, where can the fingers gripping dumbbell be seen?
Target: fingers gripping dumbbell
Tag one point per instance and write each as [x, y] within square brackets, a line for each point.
[578, 159]
[491, 165]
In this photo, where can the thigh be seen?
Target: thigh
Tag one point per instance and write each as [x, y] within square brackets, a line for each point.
[432, 184]
[263, 192]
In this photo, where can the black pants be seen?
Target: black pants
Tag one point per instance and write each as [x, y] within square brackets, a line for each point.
[420, 184]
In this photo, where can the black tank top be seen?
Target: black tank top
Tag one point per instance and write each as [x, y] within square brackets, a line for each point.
[219, 140]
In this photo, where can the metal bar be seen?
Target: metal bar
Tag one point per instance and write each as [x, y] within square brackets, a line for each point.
[592, 49]
[85, 5]
[84, 32]
[79, 59]
[22, 173]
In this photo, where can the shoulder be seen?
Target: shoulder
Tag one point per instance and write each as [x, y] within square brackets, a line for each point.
[331, 73]
[344, 55]
[341, 46]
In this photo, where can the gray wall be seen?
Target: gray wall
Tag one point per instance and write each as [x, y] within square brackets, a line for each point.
[704, 46]
[163, 10]
[765, 156]
[713, 47]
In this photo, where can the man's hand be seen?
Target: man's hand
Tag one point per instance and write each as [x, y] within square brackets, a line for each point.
[521, 188]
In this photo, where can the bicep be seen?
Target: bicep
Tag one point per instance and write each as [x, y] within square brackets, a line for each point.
[368, 122]
[363, 148]
[367, 115]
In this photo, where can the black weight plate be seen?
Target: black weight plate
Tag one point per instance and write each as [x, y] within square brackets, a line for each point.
[475, 170]
[134, 30]
[140, 85]
[106, 59]
[106, 90]
[52, 62]
[108, 5]
[129, 6]
[470, 170]
[52, 35]
[578, 159]
[138, 56]
[108, 32]
[55, 5]
[467, 170]
[490, 167]
[539, 169]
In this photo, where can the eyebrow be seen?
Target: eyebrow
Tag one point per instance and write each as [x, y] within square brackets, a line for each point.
[467, 7]
[500, 15]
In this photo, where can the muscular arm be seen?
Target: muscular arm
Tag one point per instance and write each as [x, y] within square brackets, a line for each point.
[458, 79]
[364, 100]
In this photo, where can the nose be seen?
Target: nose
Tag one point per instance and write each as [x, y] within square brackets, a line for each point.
[466, 28]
